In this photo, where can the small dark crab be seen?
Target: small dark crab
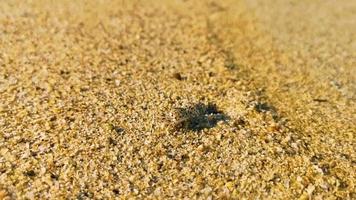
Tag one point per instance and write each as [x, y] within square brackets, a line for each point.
[198, 117]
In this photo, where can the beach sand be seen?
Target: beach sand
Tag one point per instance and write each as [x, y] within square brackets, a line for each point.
[180, 99]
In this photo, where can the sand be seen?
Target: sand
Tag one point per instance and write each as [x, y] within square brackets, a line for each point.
[177, 99]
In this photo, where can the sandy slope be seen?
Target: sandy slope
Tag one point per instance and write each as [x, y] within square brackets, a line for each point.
[175, 99]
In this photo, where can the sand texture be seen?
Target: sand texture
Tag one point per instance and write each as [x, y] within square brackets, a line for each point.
[178, 99]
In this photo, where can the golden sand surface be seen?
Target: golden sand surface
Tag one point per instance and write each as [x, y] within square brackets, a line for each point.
[177, 99]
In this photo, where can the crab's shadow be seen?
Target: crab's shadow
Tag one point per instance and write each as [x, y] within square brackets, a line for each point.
[198, 117]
